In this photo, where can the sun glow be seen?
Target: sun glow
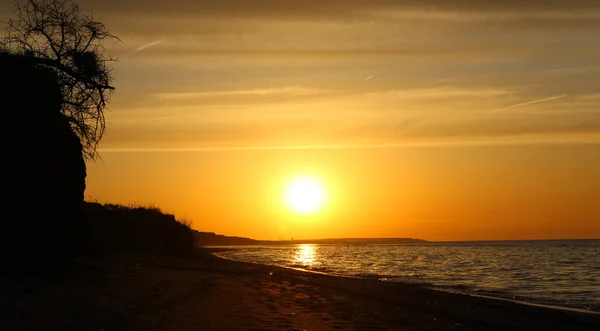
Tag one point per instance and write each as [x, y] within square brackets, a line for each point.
[304, 195]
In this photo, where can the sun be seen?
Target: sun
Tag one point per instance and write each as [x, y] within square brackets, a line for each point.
[304, 195]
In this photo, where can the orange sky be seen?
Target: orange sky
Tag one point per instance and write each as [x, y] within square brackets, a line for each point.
[442, 120]
[436, 193]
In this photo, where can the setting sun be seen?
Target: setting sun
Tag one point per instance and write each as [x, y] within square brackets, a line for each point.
[304, 195]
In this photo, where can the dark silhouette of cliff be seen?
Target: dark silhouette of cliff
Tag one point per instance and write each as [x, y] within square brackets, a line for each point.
[44, 176]
[46, 223]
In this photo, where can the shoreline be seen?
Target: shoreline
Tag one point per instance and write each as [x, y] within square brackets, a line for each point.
[418, 287]
[535, 304]
[206, 292]
[215, 250]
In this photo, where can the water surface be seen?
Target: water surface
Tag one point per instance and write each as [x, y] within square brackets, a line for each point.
[561, 272]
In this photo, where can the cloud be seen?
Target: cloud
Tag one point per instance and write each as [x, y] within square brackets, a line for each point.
[335, 8]
[444, 92]
[574, 70]
[148, 45]
[489, 141]
[473, 30]
[326, 126]
[594, 97]
[214, 56]
[533, 102]
[289, 90]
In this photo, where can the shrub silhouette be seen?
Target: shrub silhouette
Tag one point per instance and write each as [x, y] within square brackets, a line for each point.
[120, 229]
[60, 36]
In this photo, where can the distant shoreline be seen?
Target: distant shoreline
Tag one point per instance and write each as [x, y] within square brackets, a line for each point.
[206, 239]
[510, 240]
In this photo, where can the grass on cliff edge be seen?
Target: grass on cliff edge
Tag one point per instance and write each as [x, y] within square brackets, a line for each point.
[115, 228]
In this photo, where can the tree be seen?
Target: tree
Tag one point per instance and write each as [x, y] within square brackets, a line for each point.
[57, 35]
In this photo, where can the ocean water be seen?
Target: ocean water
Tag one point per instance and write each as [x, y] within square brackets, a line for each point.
[564, 273]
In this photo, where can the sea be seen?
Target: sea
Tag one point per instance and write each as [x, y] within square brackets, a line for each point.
[558, 273]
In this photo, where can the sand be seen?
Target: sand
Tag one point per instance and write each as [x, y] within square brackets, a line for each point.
[208, 293]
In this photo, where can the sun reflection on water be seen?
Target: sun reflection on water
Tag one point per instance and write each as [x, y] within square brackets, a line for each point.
[306, 255]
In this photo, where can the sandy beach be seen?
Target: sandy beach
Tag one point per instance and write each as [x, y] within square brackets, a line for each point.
[209, 293]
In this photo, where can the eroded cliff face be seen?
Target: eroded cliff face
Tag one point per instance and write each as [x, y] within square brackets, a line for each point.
[44, 168]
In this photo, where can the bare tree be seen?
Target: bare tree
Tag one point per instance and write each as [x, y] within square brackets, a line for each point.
[56, 34]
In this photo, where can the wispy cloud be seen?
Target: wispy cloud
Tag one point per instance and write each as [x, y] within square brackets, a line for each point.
[148, 45]
[347, 8]
[445, 92]
[590, 97]
[574, 70]
[489, 141]
[533, 102]
[289, 90]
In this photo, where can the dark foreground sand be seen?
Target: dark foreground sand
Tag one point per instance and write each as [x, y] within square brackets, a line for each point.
[207, 293]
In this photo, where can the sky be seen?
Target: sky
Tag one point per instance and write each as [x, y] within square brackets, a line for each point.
[434, 119]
